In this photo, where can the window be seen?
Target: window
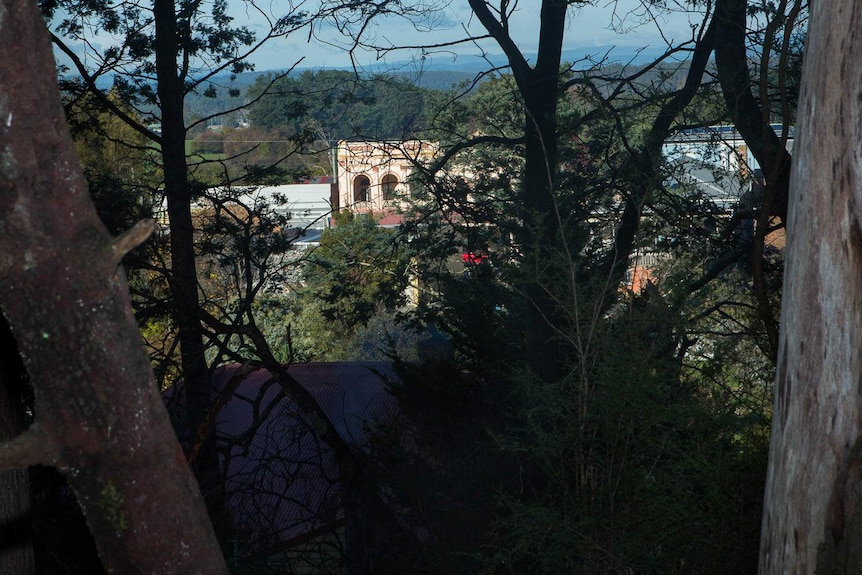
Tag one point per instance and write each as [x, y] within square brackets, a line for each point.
[361, 185]
[388, 184]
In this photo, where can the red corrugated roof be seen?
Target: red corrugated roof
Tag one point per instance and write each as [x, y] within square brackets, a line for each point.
[281, 480]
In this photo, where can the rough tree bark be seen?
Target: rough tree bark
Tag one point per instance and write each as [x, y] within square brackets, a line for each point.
[16, 531]
[99, 417]
[812, 519]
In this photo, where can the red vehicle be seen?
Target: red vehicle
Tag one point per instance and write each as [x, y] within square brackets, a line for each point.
[473, 258]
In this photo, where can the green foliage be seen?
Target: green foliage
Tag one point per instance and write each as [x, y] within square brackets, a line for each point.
[256, 156]
[275, 317]
[339, 104]
[642, 469]
[121, 170]
[357, 269]
[207, 39]
[650, 455]
[346, 309]
[640, 461]
[316, 338]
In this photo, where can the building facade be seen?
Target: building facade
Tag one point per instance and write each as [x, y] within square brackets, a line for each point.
[375, 177]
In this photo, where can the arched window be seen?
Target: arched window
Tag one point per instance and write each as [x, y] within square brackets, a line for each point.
[361, 185]
[388, 184]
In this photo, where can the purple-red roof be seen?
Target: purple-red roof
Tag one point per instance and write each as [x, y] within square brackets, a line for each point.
[280, 479]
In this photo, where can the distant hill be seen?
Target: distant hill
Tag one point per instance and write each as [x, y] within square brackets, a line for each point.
[471, 64]
[435, 72]
[198, 105]
[432, 79]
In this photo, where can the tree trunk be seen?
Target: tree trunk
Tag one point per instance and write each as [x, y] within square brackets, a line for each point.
[812, 519]
[540, 237]
[16, 529]
[99, 416]
[541, 234]
[747, 113]
[183, 278]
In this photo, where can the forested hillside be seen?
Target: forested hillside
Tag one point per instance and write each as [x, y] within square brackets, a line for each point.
[339, 105]
[229, 92]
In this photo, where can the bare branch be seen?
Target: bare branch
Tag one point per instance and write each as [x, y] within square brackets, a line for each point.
[130, 239]
[90, 81]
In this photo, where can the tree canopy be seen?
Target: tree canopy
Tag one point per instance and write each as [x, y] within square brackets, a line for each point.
[340, 105]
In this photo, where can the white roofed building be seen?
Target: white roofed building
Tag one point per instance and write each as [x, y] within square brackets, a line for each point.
[307, 205]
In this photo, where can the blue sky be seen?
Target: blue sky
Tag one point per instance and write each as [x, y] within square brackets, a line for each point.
[626, 24]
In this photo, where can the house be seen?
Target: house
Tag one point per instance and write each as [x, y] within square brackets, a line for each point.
[720, 147]
[281, 481]
[716, 163]
[307, 204]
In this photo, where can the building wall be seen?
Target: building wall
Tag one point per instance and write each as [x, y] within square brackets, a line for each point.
[374, 176]
[309, 205]
[720, 146]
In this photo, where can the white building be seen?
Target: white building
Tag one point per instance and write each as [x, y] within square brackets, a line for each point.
[717, 146]
[308, 205]
[717, 161]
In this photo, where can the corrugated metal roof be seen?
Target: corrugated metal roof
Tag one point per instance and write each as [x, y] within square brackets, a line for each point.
[281, 480]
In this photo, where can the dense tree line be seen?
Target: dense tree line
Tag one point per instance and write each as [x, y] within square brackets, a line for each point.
[340, 105]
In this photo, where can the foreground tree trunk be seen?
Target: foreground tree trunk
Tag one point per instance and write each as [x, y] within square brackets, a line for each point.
[16, 533]
[539, 86]
[812, 519]
[99, 417]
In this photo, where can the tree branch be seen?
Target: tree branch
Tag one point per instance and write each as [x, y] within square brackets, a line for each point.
[90, 81]
[731, 60]
[466, 144]
[32, 447]
[520, 68]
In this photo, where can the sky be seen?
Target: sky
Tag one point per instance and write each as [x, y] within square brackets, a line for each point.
[625, 24]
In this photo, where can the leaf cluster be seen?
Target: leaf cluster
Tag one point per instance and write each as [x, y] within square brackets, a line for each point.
[357, 269]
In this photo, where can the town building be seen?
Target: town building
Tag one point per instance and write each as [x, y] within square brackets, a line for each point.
[375, 177]
[721, 147]
[307, 204]
[716, 163]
